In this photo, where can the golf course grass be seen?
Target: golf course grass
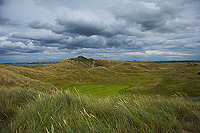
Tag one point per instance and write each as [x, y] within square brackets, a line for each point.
[99, 90]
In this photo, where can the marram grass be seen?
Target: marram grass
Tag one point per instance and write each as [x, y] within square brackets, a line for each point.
[11, 101]
[53, 113]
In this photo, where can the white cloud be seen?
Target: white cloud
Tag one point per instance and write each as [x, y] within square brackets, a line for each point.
[193, 46]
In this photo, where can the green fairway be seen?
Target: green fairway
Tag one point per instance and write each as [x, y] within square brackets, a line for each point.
[97, 89]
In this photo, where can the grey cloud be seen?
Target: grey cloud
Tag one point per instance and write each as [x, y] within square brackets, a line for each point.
[197, 17]
[117, 41]
[75, 23]
[2, 2]
[7, 21]
[8, 46]
[83, 42]
[36, 24]
[155, 19]
[125, 42]
[20, 49]
[76, 28]
[49, 39]
[122, 28]
[4, 21]
[81, 26]
[12, 49]
[38, 36]
[193, 46]
[179, 25]
[69, 27]
[44, 38]
[135, 12]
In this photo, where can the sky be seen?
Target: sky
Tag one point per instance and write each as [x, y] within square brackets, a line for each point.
[141, 30]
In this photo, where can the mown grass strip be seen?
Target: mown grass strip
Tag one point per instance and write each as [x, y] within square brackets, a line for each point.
[99, 90]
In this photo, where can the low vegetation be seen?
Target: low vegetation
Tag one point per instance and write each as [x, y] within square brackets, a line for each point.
[60, 112]
[142, 77]
[11, 102]
[87, 95]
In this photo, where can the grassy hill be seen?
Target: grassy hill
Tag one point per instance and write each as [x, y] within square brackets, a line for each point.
[88, 95]
[13, 76]
[142, 77]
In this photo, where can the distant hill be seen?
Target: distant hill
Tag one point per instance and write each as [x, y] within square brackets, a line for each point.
[90, 62]
[144, 77]
[84, 61]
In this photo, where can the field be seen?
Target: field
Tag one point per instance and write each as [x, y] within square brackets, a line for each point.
[87, 95]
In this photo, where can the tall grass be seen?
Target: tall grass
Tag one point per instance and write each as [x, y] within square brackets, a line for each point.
[11, 101]
[78, 113]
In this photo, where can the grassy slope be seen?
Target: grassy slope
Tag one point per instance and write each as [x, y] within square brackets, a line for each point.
[143, 77]
[29, 110]
[13, 76]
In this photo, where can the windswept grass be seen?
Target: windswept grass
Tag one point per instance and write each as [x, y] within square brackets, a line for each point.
[11, 101]
[14, 76]
[78, 113]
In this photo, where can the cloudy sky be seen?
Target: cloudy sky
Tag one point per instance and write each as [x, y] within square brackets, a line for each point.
[142, 30]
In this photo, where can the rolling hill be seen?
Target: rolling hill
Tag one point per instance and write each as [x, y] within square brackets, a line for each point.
[142, 77]
[100, 96]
